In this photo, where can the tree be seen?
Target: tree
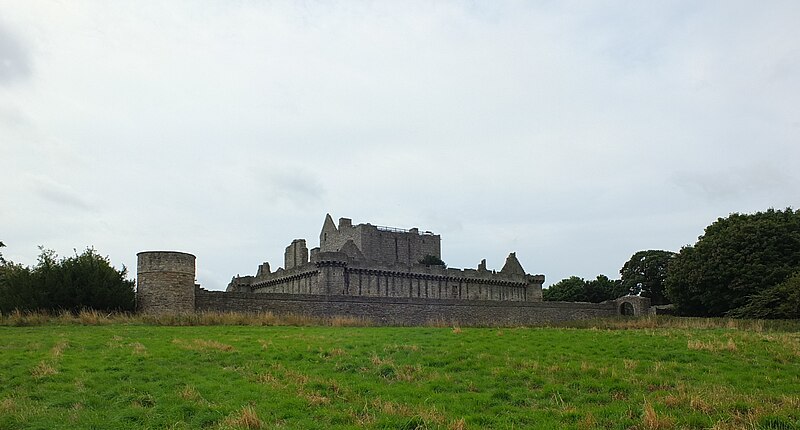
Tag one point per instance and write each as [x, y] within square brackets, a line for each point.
[87, 280]
[645, 273]
[565, 290]
[602, 288]
[576, 289]
[735, 259]
[432, 260]
[779, 302]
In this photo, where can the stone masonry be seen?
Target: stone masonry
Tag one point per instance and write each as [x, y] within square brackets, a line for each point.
[372, 261]
[373, 273]
[165, 282]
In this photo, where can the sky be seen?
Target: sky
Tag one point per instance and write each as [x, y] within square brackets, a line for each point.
[572, 133]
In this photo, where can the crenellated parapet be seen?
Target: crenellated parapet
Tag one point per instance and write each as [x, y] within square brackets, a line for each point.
[341, 273]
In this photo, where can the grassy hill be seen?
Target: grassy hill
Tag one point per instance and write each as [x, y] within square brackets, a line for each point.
[134, 375]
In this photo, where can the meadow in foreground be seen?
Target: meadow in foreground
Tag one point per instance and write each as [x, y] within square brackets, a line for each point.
[147, 376]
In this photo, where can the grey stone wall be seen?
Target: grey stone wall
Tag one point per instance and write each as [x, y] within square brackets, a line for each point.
[165, 282]
[393, 246]
[296, 254]
[334, 274]
[406, 311]
[382, 245]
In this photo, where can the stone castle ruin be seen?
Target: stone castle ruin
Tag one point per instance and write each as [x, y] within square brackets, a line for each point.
[373, 261]
[383, 274]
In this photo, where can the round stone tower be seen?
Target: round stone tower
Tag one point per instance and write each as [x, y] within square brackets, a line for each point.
[165, 282]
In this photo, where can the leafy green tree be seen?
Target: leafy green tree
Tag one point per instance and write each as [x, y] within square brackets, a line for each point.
[432, 260]
[17, 289]
[779, 302]
[736, 258]
[87, 280]
[646, 273]
[602, 288]
[565, 290]
[576, 289]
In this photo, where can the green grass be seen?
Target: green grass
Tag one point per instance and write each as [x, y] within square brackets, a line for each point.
[184, 377]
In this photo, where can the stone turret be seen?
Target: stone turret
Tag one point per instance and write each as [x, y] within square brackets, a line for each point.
[165, 282]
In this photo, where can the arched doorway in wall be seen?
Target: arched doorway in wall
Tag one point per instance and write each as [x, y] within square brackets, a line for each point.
[626, 308]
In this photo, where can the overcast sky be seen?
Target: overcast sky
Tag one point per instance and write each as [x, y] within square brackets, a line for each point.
[574, 133]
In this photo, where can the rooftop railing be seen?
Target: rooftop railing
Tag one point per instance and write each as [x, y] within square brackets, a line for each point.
[402, 230]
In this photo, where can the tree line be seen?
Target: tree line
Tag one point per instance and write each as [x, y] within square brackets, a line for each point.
[83, 281]
[744, 265]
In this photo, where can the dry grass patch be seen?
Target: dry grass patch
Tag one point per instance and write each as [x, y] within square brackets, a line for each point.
[407, 373]
[267, 378]
[42, 370]
[630, 364]
[712, 346]
[189, 393]
[203, 345]
[246, 418]
[651, 420]
[697, 403]
[340, 321]
[87, 317]
[394, 348]
[458, 424]
[296, 377]
[8, 405]
[588, 422]
[430, 415]
[377, 361]
[315, 399]
[58, 349]
[331, 353]
[138, 348]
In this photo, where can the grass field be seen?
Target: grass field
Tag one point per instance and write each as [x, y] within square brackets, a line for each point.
[134, 375]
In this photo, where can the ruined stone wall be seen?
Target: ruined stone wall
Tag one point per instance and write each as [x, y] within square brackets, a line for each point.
[402, 247]
[331, 238]
[296, 254]
[387, 246]
[165, 282]
[406, 311]
[338, 278]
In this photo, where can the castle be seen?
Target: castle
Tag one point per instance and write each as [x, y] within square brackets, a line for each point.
[375, 261]
[382, 274]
